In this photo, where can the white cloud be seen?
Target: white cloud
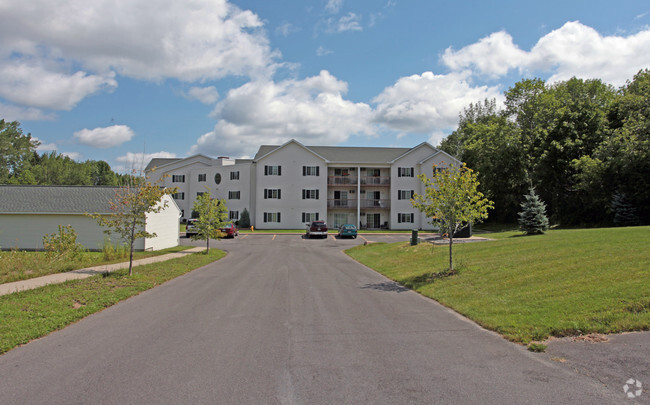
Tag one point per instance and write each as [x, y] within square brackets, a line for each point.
[73, 155]
[136, 162]
[428, 103]
[16, 113]
[312, 111]
[349, 22]
[41, 41]
[286, 29]
[36, 85]
[106, 137]
[45, 147]
[321, 51]
[333, 6]
[206, 95]
[572, 50]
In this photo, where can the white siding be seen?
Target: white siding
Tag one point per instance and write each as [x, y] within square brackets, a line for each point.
[165, 224]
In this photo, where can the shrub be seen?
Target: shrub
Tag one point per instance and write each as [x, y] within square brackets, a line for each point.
[112, 252]
[62, 245]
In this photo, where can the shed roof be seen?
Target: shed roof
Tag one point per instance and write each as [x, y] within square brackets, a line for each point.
[55, 199]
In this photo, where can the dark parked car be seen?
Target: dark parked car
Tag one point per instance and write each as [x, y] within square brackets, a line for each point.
[316, 228]
[230, 231]
[190, 228]
[348, 230]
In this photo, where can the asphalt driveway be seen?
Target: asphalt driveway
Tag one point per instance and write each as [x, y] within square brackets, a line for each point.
[285, 320]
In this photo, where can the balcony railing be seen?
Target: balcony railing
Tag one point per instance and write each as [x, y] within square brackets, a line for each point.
[341, 180]
[372, 203]
[343, 204]
[375, 180]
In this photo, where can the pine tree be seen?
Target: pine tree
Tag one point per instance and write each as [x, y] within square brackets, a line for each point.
[624, 213]
[244, 219]
[532, 218]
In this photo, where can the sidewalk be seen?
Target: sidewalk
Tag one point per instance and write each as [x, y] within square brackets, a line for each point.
[32, 283]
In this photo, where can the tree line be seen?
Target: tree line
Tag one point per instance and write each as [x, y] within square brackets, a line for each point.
[20, 163]
[583, 145]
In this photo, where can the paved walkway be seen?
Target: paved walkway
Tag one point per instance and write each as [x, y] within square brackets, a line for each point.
[32, 283]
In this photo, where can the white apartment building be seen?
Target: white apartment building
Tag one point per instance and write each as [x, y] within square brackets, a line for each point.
[287, 186]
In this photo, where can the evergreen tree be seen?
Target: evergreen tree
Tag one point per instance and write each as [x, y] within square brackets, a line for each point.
[532, 218]
[624, 213]
[245, 219]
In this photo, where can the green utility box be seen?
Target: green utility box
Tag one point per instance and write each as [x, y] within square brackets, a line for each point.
[414, 237]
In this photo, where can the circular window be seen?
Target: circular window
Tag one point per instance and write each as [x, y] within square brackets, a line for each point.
[217, 178]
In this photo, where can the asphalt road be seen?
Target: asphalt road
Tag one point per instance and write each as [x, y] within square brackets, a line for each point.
[282, 320]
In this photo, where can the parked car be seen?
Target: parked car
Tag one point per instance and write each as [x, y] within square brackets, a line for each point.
[190, 228]
[230, 231]
[316, 228]
[348, 230]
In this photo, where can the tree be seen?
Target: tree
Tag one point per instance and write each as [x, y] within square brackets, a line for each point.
[245, 219]
[624, 212]
[532, 218]
[16, 149]
[130, 206]
[452, 200]
[212, 216]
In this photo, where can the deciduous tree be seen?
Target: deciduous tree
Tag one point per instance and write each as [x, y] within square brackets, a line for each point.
[452, 200]
[212, 215]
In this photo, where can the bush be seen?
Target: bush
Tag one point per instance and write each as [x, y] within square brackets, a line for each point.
[112, 252]
[62, 245]
[532, 218]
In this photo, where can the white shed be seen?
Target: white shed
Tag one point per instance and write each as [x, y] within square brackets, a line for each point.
[27, 213]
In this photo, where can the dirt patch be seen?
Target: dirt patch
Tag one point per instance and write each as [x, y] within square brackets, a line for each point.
[76, 304]
[591, 338]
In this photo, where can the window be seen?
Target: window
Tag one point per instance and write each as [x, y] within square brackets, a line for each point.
[178, 178]
[179, 196]
[271, 217]
[233, 215]
[202, 177]
[310, 194]
[405, 194]
[200, 193]
[405, 172]
[310, 171]
[341, 172]
[234, 195]
[272, 193]
[234, 175]
[309, 217]
[273, 170]
[404, 217]
[217, 178]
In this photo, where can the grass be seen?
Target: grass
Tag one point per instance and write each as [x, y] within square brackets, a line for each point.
[528, 288]
[18, 265]
[28, 315]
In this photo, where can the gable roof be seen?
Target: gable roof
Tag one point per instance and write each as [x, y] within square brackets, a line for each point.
[55, 199]
[157, 162]
[345, 154]
[268, 149]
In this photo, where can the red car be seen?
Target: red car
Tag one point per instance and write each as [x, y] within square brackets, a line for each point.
[317, 228]
[230, 230]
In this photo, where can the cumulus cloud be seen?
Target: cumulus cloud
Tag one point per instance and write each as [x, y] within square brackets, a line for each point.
[572, 50]
[312, 111]
[136, 162]
[16, 113]
[73, 155]
[36, 85]
[105, 137]
[41, 40]
[206, 95]
[44, 147]
[428, 103]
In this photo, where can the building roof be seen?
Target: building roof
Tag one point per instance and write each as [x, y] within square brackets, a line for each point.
[55, 199]
[157, 162]
[346, 154]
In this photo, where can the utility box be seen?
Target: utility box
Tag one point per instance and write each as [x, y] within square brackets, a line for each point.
[414, 237]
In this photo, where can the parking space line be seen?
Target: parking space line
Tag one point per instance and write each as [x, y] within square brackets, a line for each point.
[333, 238]
[244, 236]
[274, 235]
[362, 237]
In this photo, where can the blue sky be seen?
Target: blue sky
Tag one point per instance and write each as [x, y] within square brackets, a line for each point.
[127, 80]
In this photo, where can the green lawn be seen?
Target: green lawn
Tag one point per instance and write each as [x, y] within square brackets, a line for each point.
[18, 265]
[28, 315]
[527, 288]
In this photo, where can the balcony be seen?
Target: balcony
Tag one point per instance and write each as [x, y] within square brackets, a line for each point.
[374, 203]
[342, 204]
[375, 180]
[342, 180]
